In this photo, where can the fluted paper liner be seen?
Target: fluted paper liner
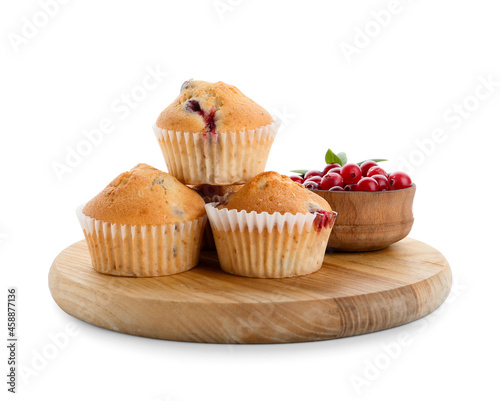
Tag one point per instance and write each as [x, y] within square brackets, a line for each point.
[268, 245]
[196, 158]
[142, 250]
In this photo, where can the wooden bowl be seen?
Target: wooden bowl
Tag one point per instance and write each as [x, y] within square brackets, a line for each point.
[368, 221]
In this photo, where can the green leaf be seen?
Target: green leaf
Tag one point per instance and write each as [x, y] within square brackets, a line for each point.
[331, 157]
[301, 172]
[373, 160]
[343, 158]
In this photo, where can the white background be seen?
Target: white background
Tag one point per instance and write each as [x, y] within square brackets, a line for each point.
[396, 88]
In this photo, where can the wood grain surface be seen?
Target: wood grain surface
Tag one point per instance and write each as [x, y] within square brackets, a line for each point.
[353, 293]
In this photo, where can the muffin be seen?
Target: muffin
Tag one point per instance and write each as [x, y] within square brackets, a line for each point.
[213, 193]
[213, 134]
[272, 227]
[145, 223]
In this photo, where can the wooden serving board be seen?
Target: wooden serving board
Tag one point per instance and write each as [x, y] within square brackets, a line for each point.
[353, 293]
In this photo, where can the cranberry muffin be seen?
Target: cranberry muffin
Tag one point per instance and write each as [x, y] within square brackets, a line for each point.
[145, 223]
[215, 193]
[272, 227]
[213, 134]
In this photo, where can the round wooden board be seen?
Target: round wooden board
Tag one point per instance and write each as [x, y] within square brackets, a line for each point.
[353, 293]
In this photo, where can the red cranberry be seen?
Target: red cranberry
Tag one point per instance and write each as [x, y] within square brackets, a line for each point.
[210, 121]
[309, 184]
[350, 187]
[336, 189]
[331, 180]
[382, 180]
[399, 180]
[367, 184]
[313, 173]
[314, 178]
[323, 219]
[376, 170]
[351, 173]
[185, 85]
[194, 106]
[329, 167]
[367, 165]
[297, 178]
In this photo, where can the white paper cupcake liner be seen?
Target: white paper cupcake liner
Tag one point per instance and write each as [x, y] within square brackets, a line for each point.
[268, 245]
[223, 159]
[142, 250]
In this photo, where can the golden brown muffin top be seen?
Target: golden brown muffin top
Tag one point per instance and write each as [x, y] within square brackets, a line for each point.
[271, 192]
[208, 191]
[212, 107]
[145, 196]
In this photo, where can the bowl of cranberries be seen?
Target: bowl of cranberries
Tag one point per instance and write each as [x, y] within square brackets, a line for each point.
[374, 207]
